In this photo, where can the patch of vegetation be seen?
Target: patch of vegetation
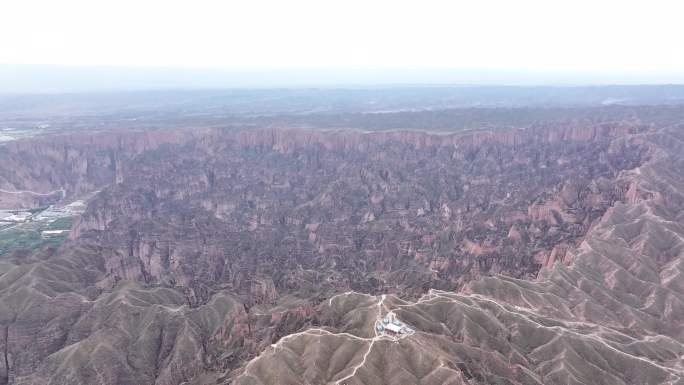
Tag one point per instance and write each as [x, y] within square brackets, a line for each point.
[20, 239]
[61, 224]
[31, 238]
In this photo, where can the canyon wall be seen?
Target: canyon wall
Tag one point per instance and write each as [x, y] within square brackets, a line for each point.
[205, 247]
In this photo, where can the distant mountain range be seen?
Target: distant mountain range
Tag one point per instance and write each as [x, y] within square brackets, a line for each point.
[56, 79]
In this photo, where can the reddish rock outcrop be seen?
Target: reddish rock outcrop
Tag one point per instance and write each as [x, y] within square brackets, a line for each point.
[205, 247]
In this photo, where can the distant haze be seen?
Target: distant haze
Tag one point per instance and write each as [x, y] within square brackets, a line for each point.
[58, 79]
[129, 44]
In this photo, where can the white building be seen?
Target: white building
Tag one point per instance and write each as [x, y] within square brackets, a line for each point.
[53, 233]
[393, 328]
[19, 217]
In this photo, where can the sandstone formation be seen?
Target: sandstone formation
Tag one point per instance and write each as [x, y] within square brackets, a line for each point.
[615, 315]
[204, 248]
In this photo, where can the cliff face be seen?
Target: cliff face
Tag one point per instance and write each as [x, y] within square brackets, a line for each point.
[40, 171]
[228, 207]
[204, 247]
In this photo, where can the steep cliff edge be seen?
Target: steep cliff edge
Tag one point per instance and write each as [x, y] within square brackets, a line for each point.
[385, 210]
[47, 169]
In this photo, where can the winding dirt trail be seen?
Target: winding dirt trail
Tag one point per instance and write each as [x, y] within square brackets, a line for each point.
[370, 346]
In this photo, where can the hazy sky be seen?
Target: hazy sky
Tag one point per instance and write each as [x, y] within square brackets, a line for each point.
[577, 35]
